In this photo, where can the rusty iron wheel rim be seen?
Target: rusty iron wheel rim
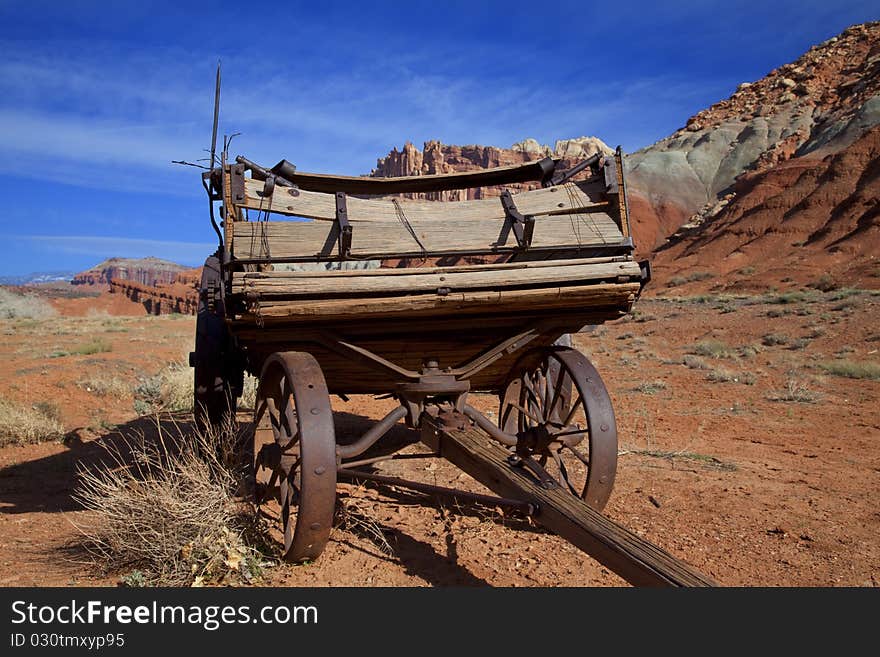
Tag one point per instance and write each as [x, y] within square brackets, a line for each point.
[294, 453]
[556, 399]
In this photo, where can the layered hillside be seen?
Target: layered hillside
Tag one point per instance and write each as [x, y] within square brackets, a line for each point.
[804, 209]
[817, 105]
[809, 220]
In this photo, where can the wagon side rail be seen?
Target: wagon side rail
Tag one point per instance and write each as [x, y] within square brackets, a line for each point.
[329, 224]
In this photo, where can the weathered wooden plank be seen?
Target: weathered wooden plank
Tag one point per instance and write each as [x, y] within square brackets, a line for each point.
[320, 182]
[415, 271]
[286, 239]
[428, 281]
[636, 560]
[361, 309]
[582, 196]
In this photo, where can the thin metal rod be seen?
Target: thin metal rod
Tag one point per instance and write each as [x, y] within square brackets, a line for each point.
[388, 457]
[488, 426]
[366, 441]
[486, 500]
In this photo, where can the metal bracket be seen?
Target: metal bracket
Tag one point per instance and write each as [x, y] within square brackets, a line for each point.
[564, 176]
[610, 170]
[345, 229]
[523, 225]
[236, 183]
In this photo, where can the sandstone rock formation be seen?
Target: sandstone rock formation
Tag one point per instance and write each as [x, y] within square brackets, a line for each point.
[437, 158]
[146, 271]
[181, 295]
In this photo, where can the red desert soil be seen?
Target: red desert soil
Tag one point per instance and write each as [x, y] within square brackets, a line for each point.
[715, 466]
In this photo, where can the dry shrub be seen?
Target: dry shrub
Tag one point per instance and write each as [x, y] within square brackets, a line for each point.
[795, 391]
[34, 423]
[23, 306]
[169, 509]
[852, 369]
[104, 385]
[169, 390]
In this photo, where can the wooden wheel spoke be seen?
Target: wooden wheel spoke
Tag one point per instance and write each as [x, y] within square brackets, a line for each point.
[571, 432]
[563, 472]
[575, 406]
[535, 402]
[583, 459]
[527, 413]
[557, 394]
[274, 415]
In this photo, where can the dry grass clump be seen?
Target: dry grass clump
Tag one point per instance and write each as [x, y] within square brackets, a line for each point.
[852, 370]
[22, 423]
[722, 375]
[96, 346]
[23, 306]
[650, 387]
[168, 509]
[104, 385]
[169, 390]
[795, 391]
[711, 349]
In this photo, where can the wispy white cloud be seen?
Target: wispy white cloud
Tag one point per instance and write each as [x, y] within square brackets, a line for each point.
[135, 113]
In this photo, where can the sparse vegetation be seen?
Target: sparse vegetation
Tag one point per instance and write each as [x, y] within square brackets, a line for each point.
[96, 346]
[825, 283]
[34, 423]
[795, 391]
[105, 385]
[704, 459]
[775, 339]
[722, 375]
[23, 306]
[695, 362]
[675, 281]
[711, 349]
[852, 370]
[651, 387]
[169, 390]
[166, 510]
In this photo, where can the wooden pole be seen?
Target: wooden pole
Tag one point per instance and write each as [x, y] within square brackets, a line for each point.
[630, 556]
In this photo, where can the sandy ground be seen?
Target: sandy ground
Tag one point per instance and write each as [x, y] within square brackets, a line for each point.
[766, 478]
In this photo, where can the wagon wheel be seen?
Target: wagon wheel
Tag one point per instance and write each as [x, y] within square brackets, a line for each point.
[294, 452]
[217, 381]
[559, 408]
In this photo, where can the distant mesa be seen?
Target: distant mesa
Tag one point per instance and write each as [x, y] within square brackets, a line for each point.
[147, 271]
[161, 286]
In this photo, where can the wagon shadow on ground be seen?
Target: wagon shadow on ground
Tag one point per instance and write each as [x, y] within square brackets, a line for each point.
[46, 485]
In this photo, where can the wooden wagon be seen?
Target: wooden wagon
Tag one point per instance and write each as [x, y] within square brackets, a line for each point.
[333, 285]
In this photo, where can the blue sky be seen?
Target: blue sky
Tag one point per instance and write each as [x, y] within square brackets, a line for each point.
[96, 99]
